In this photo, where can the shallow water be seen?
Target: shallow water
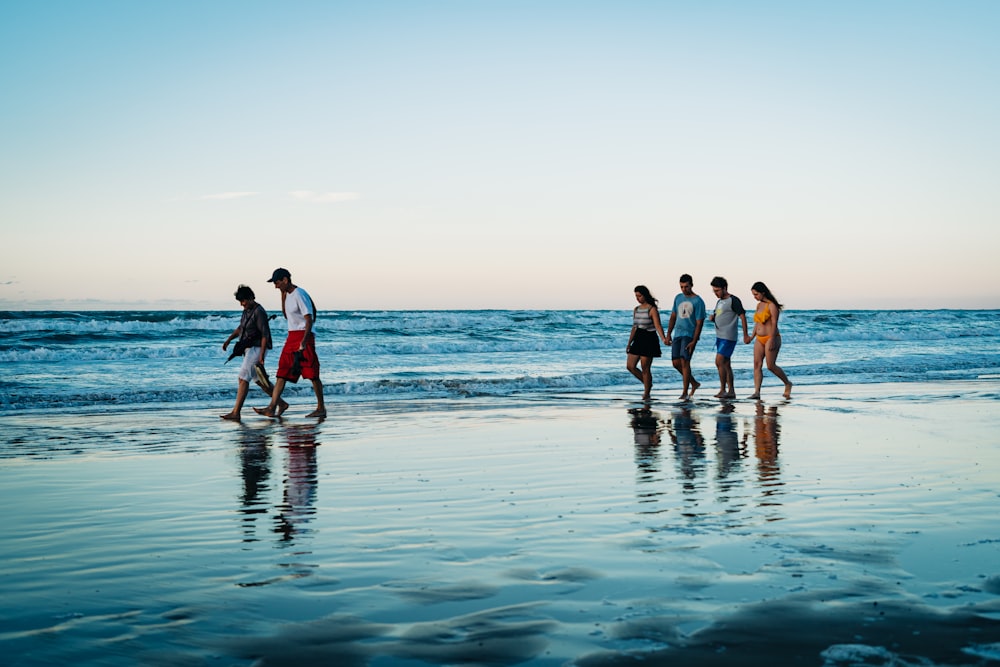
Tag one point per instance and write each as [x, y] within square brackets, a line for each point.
[857, 528]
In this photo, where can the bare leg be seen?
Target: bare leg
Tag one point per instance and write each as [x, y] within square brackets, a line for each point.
[647, 377]
[631, 364]
[689, 381]
[771, 355]
[679, 365]
[729, 377]
[320, 410]
[277, 405]
[758, 368]
[720, 364]
[242, 388]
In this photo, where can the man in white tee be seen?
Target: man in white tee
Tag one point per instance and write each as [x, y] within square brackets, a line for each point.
[298, 356]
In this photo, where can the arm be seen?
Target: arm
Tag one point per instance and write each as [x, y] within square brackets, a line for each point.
[697, 334]
[235, 334]
[265, 332]
[670, 325]
[655, 313]
[631, 335]
[308, 330]
[743, 319]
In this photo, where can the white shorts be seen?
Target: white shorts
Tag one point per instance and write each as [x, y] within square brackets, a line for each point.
[250, 358]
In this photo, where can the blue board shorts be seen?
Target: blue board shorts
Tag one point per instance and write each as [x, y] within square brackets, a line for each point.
[678, 348]
[725, 347]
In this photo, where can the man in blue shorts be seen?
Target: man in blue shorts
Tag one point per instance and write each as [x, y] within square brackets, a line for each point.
[686, 320]
[728, 311]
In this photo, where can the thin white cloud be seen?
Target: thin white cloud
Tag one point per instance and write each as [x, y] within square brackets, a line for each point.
[323, 197]
[229, 195]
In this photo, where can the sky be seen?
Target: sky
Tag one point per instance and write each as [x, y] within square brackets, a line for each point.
[498, 154]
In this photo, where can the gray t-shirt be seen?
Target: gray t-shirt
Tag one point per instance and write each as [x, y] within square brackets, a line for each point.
[727, 314]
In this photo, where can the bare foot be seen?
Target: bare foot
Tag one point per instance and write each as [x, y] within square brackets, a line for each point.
[721, 394]
[757, 396]
[683, 397]
[281, 409]
[788, 390]
[694, 388]
[731, 394]
[317, 413]
[232, 416]
[266, 412]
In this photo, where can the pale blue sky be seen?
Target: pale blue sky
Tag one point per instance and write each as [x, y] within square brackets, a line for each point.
[498, 154]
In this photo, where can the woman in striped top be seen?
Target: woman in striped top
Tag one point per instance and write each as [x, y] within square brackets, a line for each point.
[643, 343]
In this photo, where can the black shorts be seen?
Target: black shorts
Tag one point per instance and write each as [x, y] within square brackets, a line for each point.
[645, 344]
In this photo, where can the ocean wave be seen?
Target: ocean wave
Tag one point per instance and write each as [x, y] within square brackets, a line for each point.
[416, 387]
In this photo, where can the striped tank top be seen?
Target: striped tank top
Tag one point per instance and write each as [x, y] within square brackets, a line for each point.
[641, 319]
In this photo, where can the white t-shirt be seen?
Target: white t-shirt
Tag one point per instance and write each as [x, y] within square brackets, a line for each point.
[297, 306]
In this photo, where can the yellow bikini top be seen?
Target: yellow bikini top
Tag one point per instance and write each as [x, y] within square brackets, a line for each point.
[762, 316]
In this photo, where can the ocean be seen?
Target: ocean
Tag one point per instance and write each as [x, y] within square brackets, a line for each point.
[142, 359]
[490, 489]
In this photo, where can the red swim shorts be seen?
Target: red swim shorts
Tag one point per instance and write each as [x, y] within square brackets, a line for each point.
[310, 362]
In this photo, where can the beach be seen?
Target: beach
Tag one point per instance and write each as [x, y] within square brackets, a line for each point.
[853, 524]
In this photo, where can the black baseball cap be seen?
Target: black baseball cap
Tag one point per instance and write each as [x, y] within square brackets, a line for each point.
[279, 274]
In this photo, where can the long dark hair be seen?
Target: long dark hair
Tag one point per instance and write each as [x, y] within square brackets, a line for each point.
[644, 291]
[762, 288]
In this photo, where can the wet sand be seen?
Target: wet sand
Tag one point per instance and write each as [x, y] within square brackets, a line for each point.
[850, 525]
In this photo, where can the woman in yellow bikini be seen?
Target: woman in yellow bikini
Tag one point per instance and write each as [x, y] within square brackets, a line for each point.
[767, 339]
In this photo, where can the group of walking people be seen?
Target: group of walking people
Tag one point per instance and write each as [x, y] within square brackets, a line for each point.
[687, 318]
[298, 355]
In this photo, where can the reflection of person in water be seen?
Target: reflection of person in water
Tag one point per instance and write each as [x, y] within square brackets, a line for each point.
[299, 500]
[765, 435]
[727, 441]
[646, 426]
[689, 445]
[255, 468]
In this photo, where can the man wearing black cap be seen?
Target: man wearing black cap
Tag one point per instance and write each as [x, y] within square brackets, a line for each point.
[298, 356]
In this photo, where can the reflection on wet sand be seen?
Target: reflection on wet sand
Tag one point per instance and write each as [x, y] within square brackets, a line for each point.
[255, 469]
[647, 426]
[734, 488]
[298, 504]
[684, 430]
[297, 508]
[765, 433]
